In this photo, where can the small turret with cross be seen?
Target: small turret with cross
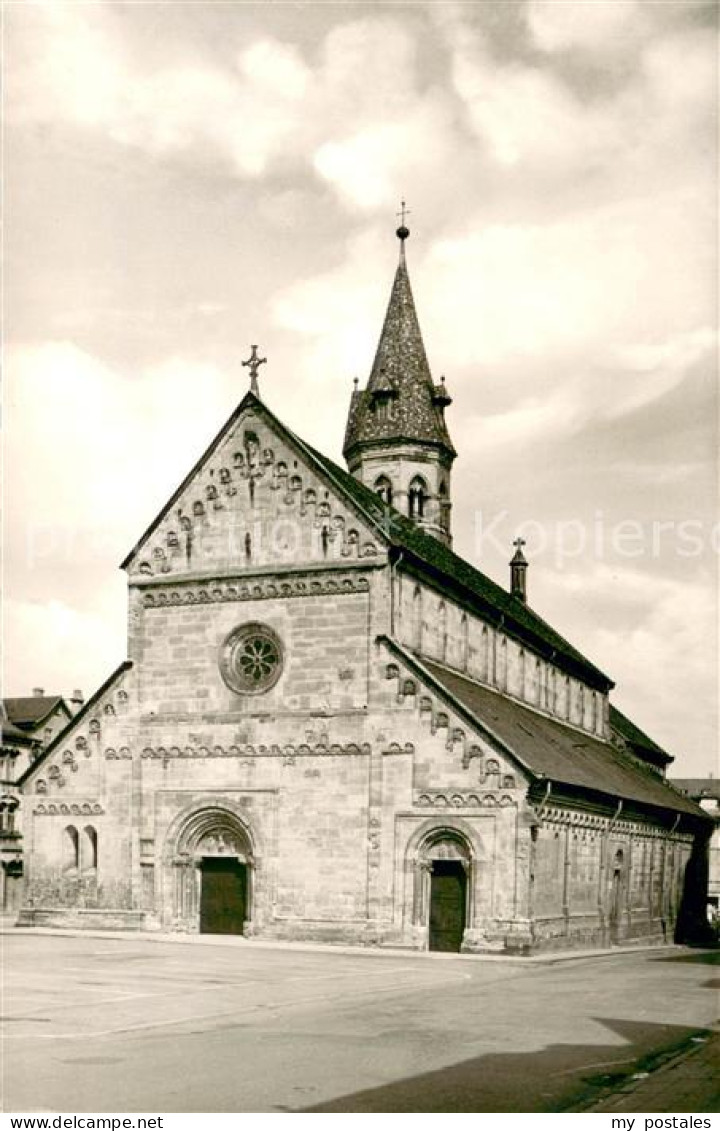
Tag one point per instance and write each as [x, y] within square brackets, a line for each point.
[518, 572]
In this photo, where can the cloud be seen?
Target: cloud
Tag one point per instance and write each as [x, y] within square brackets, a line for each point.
[657, 637]
[102, 444]
[95, 641]
[367, 167]
[270, 107]
[80, 72]
[595, 25]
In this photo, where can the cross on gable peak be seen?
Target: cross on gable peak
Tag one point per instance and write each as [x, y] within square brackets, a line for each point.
[253, 363]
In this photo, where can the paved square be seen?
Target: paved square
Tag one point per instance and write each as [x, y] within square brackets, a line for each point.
[136, 1024]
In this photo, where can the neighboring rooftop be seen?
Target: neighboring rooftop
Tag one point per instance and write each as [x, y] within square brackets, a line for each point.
[29, 711]
[699, 789]
[12, 735]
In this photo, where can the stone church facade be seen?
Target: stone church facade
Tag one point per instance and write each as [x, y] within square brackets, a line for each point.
[331, 727]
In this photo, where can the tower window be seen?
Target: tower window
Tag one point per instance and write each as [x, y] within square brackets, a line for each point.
[417, 497]
[383, 488]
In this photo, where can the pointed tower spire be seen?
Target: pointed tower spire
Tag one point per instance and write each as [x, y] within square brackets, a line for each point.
[396, 426]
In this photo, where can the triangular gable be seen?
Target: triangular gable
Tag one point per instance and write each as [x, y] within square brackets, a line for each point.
[77, 722]
[421, 670]
[199, 496]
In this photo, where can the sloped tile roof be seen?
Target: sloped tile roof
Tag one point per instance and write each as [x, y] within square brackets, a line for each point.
[11, 735]
[31, 710]
[641, 743]
[560, 753]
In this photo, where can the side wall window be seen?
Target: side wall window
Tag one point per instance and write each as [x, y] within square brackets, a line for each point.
[71, 848]
[89, 848]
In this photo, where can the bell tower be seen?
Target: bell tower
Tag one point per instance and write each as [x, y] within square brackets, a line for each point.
[396, 441]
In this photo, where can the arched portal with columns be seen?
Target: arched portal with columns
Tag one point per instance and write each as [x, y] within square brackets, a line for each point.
[441, 865]
[210, 871]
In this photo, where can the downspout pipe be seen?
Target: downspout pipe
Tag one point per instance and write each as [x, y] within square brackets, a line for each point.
[616, 816]
[543, 803]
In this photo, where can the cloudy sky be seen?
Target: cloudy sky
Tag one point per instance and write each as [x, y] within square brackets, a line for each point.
[182, 179]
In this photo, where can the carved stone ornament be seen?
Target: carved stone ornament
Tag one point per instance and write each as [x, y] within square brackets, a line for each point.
[251, 659]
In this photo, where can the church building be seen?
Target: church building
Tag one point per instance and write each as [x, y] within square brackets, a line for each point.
[330, 727]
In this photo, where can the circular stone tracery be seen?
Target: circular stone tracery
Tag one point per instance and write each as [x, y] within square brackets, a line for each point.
[251, 659]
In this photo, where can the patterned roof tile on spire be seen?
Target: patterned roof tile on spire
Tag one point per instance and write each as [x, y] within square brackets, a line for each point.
[401, 374]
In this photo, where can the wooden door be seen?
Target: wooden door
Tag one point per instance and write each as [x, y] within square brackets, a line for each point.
[223, 896]
[448, 896]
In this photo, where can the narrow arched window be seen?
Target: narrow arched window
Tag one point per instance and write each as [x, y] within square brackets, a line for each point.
[417, 497]
[442, 630]
[7, 816]
[417, 619]
[90, 847]
[485, 672]
[71, 847]
[383, 488]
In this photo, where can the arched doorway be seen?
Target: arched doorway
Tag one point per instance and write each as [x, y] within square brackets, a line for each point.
[213, 866]
[444, 875]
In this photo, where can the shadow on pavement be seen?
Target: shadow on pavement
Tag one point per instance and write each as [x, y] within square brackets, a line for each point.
[558, 1078]
[705, 957]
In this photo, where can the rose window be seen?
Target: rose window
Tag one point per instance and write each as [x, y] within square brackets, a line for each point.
[251, 659]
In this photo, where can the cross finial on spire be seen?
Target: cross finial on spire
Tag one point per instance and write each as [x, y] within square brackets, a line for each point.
[519, 543]
[403, 232]
[254, 362]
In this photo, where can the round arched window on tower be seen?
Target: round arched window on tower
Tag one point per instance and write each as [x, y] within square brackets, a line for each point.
[383, 488]
[251, 659]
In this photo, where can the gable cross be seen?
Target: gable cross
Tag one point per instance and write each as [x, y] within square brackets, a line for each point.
[254, 362]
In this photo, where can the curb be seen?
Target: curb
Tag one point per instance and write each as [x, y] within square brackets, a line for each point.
[238, 941]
